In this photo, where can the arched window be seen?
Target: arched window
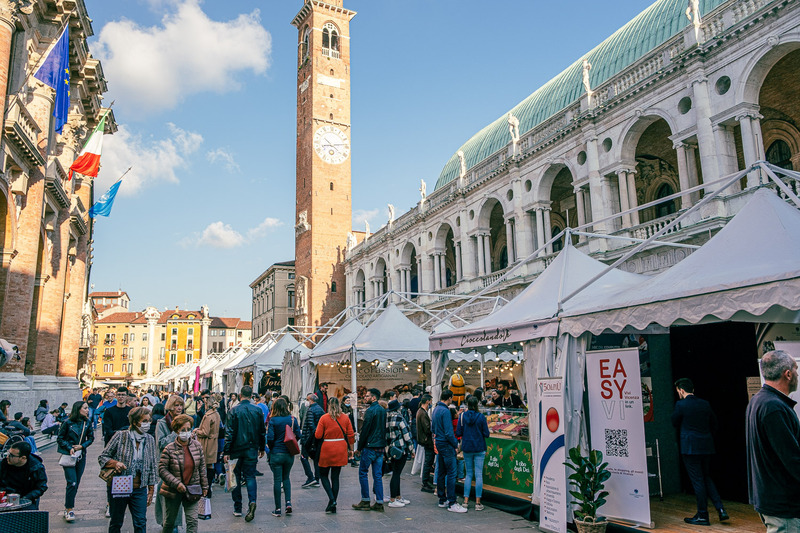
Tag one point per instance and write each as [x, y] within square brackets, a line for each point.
[305, 44]
[780, 155]
[665, 208]
[559, 244]
[330, 40]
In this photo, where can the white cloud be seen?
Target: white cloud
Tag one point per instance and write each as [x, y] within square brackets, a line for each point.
[152, 160]
[221, 235]
[364, 215]
[262, 229]
[153, 68]
[225, 157]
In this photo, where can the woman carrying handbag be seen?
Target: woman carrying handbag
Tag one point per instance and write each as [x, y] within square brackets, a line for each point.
[74, 436]
[182, 469]
[337, 436]
[281, 457]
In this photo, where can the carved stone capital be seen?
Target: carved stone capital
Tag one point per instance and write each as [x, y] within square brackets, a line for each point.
[73, 132]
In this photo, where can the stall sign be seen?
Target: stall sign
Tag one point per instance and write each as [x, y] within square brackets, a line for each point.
[551, 469]
[617, 430]
[369, 375]
[508, 465]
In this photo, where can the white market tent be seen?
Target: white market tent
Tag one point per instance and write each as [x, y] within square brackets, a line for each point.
[748, 272]
[337, 345]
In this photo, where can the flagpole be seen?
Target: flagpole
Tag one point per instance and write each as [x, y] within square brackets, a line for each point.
[93, 219]
[108, 110]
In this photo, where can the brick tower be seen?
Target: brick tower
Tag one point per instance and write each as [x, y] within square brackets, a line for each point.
[323, 159]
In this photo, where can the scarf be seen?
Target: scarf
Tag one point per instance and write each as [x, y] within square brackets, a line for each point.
[138, 444]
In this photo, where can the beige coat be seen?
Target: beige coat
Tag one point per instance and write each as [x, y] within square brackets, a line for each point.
[208, 435]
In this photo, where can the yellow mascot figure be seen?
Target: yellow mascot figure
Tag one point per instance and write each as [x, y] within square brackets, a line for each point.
[458, 387]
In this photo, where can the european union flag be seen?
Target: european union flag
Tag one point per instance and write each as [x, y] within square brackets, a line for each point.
[102, 207]
[55, 73]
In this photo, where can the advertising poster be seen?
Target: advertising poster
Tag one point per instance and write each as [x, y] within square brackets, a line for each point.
[617, 430]
[553, 492]
[509, 466]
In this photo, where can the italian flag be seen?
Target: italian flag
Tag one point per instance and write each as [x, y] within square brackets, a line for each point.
[88, 161]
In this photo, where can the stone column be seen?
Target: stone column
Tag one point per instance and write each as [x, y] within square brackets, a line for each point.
[408, 279]
[7, 10]
[683, 173]
[633, 199]
[204, 323]
[624, 198]
[437, 272]
[459, 271]
[726, 149]
[751, 143]
[548, 230]
[512, 255]
[152, 356]
[468, 258]
[487, 252]
[601, 199]
[419, 274]
[540, 240]
[705, 134]
[428, 276]
[481, 255]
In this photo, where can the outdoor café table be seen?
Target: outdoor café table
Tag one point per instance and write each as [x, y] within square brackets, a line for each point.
[23, 504]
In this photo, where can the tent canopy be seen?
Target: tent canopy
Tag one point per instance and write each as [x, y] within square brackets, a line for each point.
[273, 357]
[530, 315]
[749, 271]
[249, 360]
[391, 337]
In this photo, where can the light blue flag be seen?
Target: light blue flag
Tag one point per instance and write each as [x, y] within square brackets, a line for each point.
[55, 73]
[102, 207]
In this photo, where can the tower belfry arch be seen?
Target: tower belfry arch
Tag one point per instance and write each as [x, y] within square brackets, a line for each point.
[323, 197]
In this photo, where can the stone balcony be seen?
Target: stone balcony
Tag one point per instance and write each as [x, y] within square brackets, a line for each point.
[23, 133]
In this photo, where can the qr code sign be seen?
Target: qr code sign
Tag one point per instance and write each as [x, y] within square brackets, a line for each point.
[617, 442]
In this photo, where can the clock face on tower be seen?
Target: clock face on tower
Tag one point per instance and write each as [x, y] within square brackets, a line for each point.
[331, 144]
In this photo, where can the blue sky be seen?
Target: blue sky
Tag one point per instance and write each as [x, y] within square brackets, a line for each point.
[205, 99]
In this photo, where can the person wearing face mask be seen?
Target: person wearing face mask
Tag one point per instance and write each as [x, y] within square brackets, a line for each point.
[132, 452]
[182, 469]
[164, 436]
[347, 409]
[74, 437]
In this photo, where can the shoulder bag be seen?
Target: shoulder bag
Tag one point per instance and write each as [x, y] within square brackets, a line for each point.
[193, 492]
[344, 436]
[290, 440]
[72, 459]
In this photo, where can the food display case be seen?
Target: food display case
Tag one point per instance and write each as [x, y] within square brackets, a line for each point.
[508, 466]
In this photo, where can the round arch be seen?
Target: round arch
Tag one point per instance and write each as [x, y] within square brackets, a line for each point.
[756, 70]
[636, 126]
[485, 211]
[545, 182]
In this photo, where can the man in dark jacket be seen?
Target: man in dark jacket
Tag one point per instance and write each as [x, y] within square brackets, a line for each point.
[446, 444]
[773, 445]
[695, 421]
[245, 439]
[371, 444]
[23, 473]
[425, 439]
[116, 417]
[309, 441]
[322, 396]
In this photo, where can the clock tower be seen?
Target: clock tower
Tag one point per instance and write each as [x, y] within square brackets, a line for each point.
[323, 201]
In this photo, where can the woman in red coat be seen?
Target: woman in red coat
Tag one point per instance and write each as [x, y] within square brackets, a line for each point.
[337, 433]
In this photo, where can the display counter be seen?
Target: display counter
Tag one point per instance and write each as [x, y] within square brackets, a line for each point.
[508, 467]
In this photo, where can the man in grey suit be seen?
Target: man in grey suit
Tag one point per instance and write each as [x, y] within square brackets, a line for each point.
[695, 421]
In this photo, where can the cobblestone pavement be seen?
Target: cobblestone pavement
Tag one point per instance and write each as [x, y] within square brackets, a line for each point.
[309, 507]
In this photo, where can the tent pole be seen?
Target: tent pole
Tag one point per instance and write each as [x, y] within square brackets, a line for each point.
[483, 378]
[353, 386]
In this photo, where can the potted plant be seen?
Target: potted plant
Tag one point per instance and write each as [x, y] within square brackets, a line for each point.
[588, 478]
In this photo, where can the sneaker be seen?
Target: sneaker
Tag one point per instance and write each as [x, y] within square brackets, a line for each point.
[479, 507]
[251, 512]
[308, 484]
[396, 503]
[456, 508]
[288, 508]
[443, 504]
[361, 506]
[277, 513]
[315, 483]
[427, 489]
[69, 516]
[377, 507]
[237, 513]
[108, 512]
[404, 501]
[259, 474]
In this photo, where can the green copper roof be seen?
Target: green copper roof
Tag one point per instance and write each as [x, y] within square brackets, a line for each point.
[651, 28]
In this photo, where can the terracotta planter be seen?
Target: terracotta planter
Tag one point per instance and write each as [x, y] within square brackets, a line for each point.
[591, 527]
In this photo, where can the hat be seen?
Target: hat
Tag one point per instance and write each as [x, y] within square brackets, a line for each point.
[394, 404]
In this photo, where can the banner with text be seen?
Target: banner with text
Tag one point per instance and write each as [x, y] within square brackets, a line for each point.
[382, 376]
[552, 472]
[617, 430]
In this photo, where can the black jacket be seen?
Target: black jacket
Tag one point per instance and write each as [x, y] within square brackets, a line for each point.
[29, 481]
[245, 430]
[310, 422]
[373, 431]
[114, 419]
[773, 454]
[696, 421]
[69, 435]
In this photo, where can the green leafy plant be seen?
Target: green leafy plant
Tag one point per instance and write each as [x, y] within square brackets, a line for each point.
[588, 478]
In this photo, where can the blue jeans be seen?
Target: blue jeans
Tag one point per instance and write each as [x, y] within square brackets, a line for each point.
[281, 466]
[245, 467]
[310, 475]
[73, 475]
[447, 473]
[474, 461]
[32, 442]
[136, 502]
[374, 457]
